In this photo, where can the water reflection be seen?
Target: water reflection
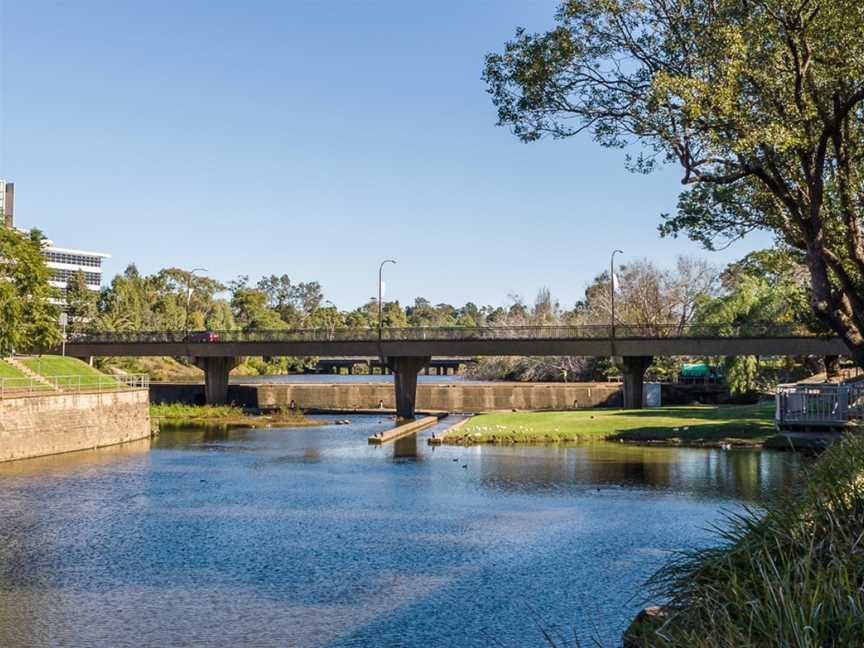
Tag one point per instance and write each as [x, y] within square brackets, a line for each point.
[741, 474]
[406, 449]
[312, 537]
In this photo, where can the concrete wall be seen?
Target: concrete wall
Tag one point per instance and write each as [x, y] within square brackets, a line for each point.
[43, 425]
[454, 397]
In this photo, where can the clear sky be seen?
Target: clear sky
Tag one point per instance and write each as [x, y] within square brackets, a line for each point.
[313, 139]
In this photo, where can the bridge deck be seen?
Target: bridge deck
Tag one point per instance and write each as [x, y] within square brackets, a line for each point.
[442, 342]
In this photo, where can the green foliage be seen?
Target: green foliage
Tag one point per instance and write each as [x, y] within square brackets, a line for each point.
[791, 576]
[742, 374]
[28, 321]
[81, 303]
[760, 104]
[765, 286]
[193, 412]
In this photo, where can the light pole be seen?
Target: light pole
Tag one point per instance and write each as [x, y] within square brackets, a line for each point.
[64, 320]
[189, 295]
[612, 286]
[381, 295]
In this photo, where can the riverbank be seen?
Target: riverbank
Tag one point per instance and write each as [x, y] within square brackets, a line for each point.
[789, 577]
[180, 415]
[56, 422]
[702, 426]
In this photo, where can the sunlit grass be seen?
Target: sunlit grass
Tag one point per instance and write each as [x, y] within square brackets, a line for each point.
[77, 371]
[8, 371]
[704, 423]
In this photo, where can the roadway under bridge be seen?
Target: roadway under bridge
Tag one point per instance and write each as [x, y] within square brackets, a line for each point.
[408, 351]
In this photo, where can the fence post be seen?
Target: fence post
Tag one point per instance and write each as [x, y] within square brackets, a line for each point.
[843, 403]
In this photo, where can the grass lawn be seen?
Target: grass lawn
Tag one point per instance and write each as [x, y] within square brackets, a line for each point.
[52, 366]
[698, 425]
[8, 371]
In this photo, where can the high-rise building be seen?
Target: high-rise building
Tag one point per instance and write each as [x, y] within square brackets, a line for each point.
[63, 263]
[7, 203]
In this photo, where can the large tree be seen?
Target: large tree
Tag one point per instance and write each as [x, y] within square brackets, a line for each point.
[28, 319]
[759, 102]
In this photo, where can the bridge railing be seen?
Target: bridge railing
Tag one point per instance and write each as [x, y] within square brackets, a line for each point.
[622, 331]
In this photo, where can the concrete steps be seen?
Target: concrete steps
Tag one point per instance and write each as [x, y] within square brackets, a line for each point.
[27, 371]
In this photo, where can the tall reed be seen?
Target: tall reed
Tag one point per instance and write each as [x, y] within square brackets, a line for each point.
[791, 575]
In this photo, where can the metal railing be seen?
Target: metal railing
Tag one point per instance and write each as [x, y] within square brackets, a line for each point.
[15, 387]
[622, 331]
[828, 405]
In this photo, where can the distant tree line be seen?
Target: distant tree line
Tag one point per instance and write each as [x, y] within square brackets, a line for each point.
[765, 286]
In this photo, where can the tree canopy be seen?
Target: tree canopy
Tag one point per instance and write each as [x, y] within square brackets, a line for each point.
[758, 102]
[28, 319]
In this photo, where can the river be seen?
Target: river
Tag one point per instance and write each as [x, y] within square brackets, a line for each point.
[311, 537]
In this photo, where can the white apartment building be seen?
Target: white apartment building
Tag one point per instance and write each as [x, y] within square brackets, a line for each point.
[63, 263]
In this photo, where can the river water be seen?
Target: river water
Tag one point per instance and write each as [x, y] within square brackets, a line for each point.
[311, 537]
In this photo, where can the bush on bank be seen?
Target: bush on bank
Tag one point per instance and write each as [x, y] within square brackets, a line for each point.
[790, 576]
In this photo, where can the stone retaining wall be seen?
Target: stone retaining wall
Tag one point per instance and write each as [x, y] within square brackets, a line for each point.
[42, 425]
[452, 397]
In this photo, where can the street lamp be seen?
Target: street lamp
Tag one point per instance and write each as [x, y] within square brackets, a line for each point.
[612, 286]
[189, 295]
[380, 296]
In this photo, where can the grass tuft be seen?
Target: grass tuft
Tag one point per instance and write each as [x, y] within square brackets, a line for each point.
[195, 412]
[790, 576]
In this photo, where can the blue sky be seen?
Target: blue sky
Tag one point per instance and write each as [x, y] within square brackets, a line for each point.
[313, 139]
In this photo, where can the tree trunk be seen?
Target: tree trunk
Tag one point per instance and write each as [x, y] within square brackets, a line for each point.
[829, 305]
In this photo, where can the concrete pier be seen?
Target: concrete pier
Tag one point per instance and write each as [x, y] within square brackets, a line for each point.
[406, 370]
[633, 368]
[403, 430]
[216, 370]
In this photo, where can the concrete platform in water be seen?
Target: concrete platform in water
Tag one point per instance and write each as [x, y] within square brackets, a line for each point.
[403, 430]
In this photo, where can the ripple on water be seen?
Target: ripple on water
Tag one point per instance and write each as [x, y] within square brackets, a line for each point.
[310, 537]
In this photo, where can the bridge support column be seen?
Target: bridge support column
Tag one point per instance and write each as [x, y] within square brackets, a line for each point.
[633, 368]
[216, 370]
[405, 370]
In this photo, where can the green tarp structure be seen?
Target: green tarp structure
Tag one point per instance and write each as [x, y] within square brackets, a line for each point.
[695, 370]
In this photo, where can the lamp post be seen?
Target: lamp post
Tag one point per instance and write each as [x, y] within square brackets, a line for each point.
[612, 286]
[381, 295]
[64, 320]
[189, 295]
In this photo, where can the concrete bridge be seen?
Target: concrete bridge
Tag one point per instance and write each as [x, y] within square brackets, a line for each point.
[406, 351]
